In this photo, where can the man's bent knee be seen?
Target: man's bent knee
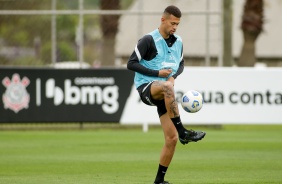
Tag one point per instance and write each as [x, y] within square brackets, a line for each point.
[168, 88]
[167, 85]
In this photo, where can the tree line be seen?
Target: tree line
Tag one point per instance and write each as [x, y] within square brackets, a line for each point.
[17, 31]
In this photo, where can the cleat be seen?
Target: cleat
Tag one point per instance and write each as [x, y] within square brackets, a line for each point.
[191, 136]
[164, 182]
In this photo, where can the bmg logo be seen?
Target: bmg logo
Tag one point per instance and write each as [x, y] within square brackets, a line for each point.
[70, 94]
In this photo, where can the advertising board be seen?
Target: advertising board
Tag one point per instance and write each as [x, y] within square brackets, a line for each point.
[63, 95]
[231, 96]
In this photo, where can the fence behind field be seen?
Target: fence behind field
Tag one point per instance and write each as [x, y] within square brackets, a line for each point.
[47, 32]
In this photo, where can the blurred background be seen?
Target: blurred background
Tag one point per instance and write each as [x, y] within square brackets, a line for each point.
[97, 33]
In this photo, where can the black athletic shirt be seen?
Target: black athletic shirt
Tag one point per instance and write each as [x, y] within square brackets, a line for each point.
[148, 51]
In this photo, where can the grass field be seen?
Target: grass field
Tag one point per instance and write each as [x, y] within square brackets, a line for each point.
[233, 154]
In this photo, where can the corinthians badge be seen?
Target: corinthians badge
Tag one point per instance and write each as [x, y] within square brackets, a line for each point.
[15, 97]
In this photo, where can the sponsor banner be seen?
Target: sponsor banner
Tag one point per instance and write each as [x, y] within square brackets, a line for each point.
[63, 95]
[231, 95]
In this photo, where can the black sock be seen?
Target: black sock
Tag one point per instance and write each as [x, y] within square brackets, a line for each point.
[161, 174]
[178, 124]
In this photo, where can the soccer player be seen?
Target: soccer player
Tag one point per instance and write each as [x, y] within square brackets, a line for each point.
[157, 61]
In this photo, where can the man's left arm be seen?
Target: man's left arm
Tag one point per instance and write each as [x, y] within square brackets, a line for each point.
[181, 65]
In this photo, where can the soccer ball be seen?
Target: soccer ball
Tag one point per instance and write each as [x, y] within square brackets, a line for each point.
[192, 101]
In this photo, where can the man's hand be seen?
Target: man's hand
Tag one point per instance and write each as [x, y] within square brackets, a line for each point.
[164, 72]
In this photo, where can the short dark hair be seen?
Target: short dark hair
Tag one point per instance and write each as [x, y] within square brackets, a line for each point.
[173, 10]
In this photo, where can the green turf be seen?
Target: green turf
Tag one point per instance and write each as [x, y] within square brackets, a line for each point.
[234, 154]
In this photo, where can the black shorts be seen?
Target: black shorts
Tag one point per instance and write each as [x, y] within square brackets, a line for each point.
[145, 94]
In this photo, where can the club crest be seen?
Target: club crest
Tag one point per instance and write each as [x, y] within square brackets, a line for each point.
[15, 97]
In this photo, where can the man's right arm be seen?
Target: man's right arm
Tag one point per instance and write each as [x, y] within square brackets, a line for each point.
[143, 49]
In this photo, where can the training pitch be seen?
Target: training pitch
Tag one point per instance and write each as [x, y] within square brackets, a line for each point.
[231, 155]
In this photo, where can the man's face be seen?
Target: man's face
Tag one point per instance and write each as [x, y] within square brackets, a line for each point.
[170, 24]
